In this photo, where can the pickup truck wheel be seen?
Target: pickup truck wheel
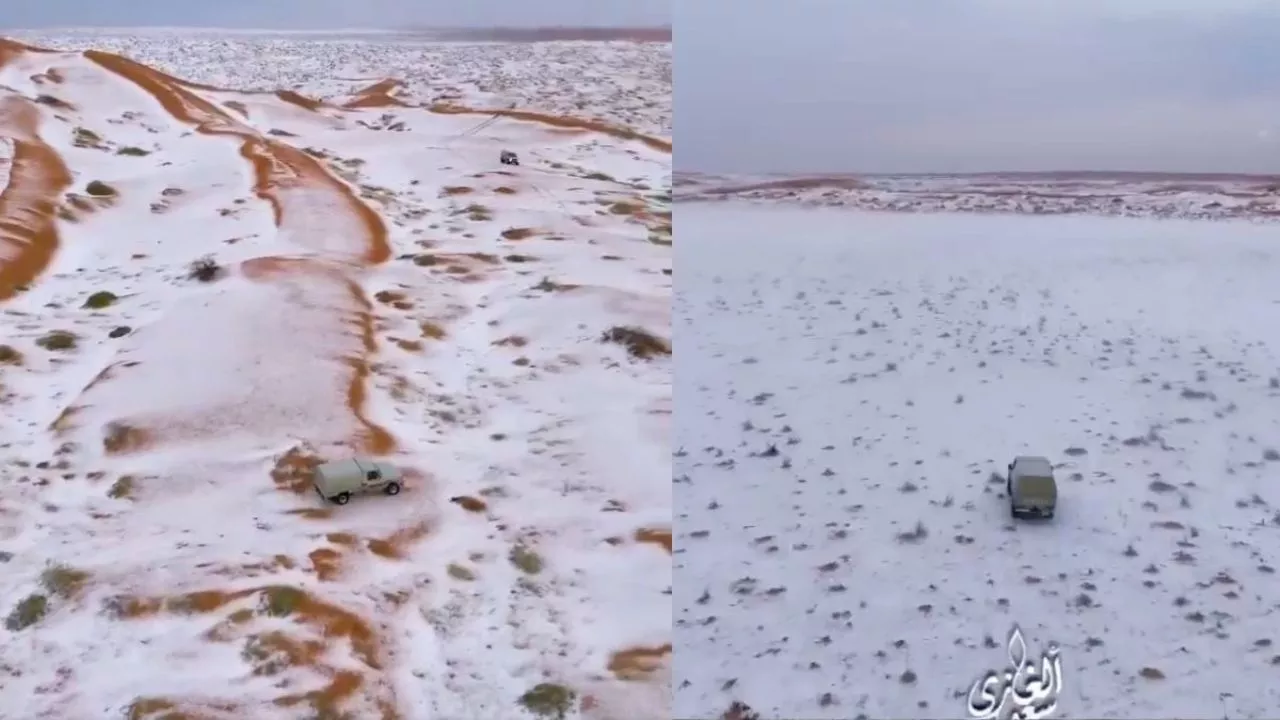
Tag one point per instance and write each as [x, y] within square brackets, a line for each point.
[392, 489]
[341, 498]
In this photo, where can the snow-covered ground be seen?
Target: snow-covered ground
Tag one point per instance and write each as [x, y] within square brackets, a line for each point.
[850, 382]
[380, 284]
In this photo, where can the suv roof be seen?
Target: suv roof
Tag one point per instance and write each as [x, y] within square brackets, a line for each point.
[1032, 465]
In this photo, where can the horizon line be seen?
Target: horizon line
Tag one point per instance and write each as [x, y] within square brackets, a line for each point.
[1207, 175]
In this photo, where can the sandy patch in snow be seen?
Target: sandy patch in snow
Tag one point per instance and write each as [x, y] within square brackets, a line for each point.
[36, 178]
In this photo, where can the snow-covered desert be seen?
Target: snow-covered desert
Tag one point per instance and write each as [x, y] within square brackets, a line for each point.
[851, 386]
[225, 258]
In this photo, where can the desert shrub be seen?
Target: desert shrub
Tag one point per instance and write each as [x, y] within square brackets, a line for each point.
[57, 340]
[52, 101]
[458, 572]
[63, 580]
[205, 269]
[26, 613]
[740, 711]
[97, 188]
[85, 138]
[548, 700]
[9, 355]
[516, 233]
[639, 343]
[918, 533]
[280, 600]
[528, 561]
[133, 151]
[122, 488]
[100, 299]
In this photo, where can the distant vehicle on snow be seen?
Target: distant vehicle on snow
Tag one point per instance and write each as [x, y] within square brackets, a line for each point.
[506, 157]
[338, 481]
[1033, 491]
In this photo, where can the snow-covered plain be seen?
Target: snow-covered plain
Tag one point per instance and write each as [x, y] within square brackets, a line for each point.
[385, 286]
[849, 383]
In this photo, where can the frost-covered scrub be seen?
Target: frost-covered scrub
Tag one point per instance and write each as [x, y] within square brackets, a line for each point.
[852, 385]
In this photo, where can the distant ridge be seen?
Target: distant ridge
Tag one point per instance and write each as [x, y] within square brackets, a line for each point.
[551, 33]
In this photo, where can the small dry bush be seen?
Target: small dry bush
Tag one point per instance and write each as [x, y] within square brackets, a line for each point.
[549, 700]
[122, 488]
[26, 613]
[100, 299]
[528, 561]
[639, 343]
[458, 572]
[119, 438]
[281, 600]
[205, 269]
[97, 188]
[917, 534]
[478, 213]
[519, 233]
[85, 138]
[740, 711]
[63, 580]
[57, 340]
[9, 356]
[470, 504]
[52, 101]
[546, 284]
[625, 208]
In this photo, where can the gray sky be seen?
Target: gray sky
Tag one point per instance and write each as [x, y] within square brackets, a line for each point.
[975, 85]
[323, 14]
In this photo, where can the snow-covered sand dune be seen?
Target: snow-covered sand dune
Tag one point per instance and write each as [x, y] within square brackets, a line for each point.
[850, 382]
[377, 283]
